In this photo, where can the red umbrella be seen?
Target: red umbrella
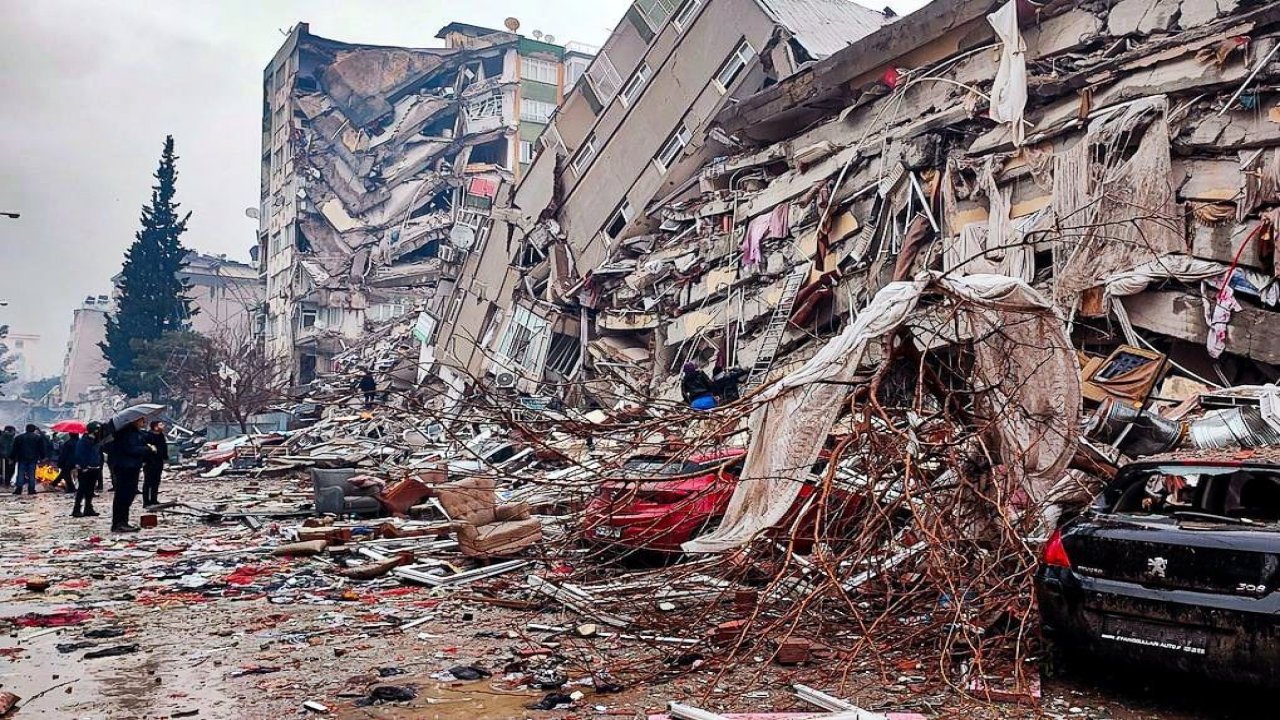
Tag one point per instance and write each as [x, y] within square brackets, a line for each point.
[70, 426]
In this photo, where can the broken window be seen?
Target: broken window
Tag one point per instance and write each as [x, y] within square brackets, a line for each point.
[585, 155]
[671, 149]
[604, 78]
[525, 340]
[733, 67]
[536, 110]
[621, 217]
[526, 152]
[388, 310]
[633, 87]
[564, 353]
[306, 369]
[685, 16]
[493, 153]
[486, 106]
[307, 317]
[542, 71]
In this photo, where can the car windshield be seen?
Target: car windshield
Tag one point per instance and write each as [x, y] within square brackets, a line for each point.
[1203, 492]
[648, 466]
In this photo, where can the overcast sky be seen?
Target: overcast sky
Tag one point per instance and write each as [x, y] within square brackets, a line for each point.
[90, 88]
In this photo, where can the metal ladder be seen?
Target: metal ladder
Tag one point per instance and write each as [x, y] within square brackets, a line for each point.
[777, 328]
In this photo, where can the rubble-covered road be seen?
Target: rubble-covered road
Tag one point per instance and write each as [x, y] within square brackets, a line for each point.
[208, 625]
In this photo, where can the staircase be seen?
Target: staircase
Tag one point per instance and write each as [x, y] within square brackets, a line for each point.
[777, 328]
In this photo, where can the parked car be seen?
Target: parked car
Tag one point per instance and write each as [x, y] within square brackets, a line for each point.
[1175, 566]
[657, 503]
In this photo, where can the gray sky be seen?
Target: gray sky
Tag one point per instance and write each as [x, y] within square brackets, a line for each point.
[90, 88]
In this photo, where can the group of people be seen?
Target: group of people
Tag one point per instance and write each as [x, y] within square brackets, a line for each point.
[703, 392]
[134, 454]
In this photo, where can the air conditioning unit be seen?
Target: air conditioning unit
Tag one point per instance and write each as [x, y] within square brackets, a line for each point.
[504, 380]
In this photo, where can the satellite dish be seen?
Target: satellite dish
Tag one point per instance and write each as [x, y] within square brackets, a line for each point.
[511, 24]
[462, 237]
[251, 212]
[537, 34]
[549, 38]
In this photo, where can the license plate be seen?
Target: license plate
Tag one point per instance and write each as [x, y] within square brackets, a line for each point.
[1173, 638]
[608, 533]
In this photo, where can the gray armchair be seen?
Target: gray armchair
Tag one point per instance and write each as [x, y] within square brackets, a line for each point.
[335, 496]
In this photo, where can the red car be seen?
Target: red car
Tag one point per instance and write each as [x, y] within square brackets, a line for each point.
[659, 503]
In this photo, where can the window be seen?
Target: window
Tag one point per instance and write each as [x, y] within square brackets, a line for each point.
[536, 110]
[574, 68]
[685, 16]
[526, 152]
[734, 65]
[388, 310]
[604, 78]
[585, 155]
[670, 151]
[655, 12]
[633, 87]
[308, 317]
[541, 71]
[621, 217]
[525, 340]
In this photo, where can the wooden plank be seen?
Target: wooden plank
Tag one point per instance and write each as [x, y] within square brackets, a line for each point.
[1181, 315]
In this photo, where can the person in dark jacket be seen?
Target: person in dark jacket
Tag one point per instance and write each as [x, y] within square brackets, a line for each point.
[67, 462]
[127, 452]
[88, 461]
[696, 388]
[369, 387]
[155, 463]
[725, 383]
[29, 449]
[7, 465]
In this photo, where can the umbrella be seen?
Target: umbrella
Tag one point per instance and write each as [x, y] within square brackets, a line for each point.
[70, 426]
[130, 414]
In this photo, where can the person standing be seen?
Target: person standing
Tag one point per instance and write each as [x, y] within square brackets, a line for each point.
[6, 455]
[154, 467]
[67, 462]
[88, 462]
[369, 387]
[126, 453]
[29, 449]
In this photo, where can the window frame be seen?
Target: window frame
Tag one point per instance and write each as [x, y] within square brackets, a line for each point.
[626, 213]
[582, 159]
[669, 153]
[541, 68]
[741, 61]
[527, 153]
[643, 74]
[541, 119]
[683, 17]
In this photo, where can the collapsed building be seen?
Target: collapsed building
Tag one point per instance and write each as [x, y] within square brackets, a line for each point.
[373, 156]
[1123, 158]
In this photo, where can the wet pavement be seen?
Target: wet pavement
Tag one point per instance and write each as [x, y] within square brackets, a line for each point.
[222, 630]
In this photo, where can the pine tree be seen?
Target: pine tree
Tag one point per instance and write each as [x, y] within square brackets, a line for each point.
[152, 298]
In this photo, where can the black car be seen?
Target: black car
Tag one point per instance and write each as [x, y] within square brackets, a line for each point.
[1176, 566]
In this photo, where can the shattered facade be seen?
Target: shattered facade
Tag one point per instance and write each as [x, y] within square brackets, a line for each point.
[630, 136]
[373, 157]
[1121, 158]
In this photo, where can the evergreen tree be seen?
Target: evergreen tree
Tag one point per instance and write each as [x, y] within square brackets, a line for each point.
[152, 299]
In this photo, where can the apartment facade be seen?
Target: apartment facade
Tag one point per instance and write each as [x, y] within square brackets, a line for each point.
[84, 366]
[630, 137]
[378, 166]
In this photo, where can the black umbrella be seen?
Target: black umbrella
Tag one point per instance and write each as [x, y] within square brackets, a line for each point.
[131, 414]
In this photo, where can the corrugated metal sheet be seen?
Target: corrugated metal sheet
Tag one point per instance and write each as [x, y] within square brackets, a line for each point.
[824, 26]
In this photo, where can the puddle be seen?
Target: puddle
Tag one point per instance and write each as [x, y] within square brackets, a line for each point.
[435, 701]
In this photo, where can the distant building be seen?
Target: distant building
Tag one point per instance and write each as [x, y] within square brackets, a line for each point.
[373, 156]
[226, 294]
[22, 347]
[83, 366]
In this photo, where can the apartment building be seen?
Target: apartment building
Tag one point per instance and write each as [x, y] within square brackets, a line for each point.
[378, 166]
[630, 137]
